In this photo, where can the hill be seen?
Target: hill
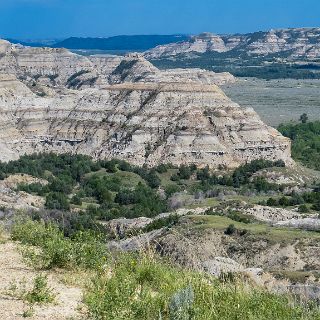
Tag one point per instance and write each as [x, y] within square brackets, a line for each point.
[285, 53]
[124, 107]
[136, 42]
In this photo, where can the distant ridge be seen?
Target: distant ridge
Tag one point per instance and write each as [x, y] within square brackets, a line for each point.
[274, 54]
[292, 43]
[26, 43]
[136, 42]
[33, 43]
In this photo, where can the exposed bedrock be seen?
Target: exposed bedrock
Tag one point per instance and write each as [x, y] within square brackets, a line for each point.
[177, 119]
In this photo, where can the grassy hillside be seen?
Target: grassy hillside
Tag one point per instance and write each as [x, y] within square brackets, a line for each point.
[105, 190]
[144, 286]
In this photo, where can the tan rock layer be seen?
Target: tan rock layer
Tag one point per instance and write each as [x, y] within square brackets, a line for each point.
[128, 110]
[294, 43]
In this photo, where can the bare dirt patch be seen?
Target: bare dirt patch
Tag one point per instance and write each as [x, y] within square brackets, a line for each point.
[14, 270]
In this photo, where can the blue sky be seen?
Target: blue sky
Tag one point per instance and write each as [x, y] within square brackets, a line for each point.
[36, 19]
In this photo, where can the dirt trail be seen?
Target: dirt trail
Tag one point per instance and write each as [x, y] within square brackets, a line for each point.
[14, 270]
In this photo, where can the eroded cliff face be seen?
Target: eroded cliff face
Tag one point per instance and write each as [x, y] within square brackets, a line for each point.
[293, 43]
[132, 111]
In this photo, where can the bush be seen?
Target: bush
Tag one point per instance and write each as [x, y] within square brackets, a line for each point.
[110, 166]
[62, 185]
[230, 230]
[185, 172]
[83, 250]
[76, 200]
[152, 179]
[239, 217]
[33, 188]
[162, 168]
[303, 208]
[271, 202]
[316, 205]
[171, 189]
[168, 222]
[145, 200]
[40, 293]
[284, 202]
[175, 177]
[242, 174]
[57, 200]
[71, 222]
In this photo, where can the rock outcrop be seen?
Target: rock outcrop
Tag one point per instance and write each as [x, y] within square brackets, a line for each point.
[293, 43]
[309, 223]
[124, 107]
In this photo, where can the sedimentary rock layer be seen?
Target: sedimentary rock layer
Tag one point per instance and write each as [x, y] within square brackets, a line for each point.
[292, 43]
[163, 117]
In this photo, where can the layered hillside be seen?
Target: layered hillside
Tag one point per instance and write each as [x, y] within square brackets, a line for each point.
[124, 107]
[289, 43]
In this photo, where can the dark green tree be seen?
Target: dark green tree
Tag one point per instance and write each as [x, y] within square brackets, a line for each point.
[304, 118]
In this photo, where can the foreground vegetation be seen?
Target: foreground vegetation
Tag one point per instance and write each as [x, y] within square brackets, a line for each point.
[79, 192]
[144, 286]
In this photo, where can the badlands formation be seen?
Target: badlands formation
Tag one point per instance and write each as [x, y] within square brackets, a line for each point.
[292, 43]
[124, 107]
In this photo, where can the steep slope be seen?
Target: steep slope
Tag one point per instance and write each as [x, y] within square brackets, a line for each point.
[152, 117]
[54, 68]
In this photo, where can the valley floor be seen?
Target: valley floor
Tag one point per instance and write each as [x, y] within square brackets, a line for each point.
[277, 101]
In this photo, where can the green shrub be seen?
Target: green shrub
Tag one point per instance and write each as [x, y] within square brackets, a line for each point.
[145, 201]
[171, 189]
[230, 230]
[239, 217]
[175, 177]
[36, 188]
[84, 249]
[185, 172]
[76, 200]
[57, 200]
[40, 293]
[168, 222]
[144, 287]
[242, 174]
[162, 168]
[303, 208]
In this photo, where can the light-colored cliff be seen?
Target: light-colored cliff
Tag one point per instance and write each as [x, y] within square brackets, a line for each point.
[292, 43]
[161, 117]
